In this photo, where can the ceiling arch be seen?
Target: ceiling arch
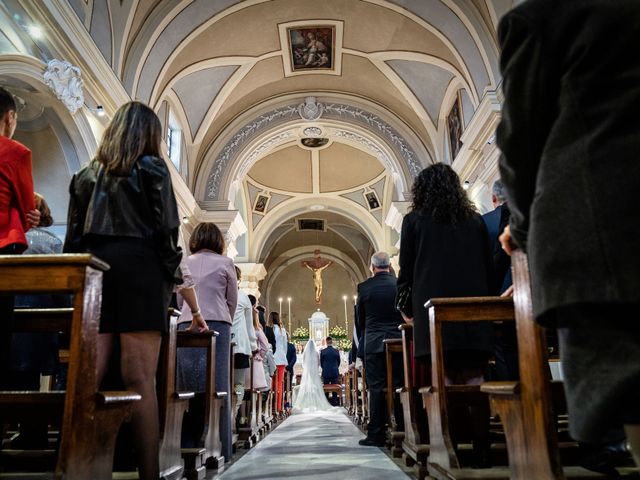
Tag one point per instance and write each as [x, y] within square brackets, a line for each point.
[395, 145]
[300, 206]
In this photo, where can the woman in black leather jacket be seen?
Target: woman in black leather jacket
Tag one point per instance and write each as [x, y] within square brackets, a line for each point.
[123, 210]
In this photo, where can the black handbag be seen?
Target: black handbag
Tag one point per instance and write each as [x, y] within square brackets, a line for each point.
[404, 301]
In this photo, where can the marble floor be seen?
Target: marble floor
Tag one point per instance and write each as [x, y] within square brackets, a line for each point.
[314, 446]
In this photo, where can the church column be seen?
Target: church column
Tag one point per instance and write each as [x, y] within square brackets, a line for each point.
[477, 161]
[397, 211]
[252, 275]
[229, 222]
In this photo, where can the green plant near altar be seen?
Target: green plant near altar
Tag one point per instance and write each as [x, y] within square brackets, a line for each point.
[300, 335]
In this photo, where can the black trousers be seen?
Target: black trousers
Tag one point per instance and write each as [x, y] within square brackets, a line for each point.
[600, 353]
[6, 325]
[376, 376]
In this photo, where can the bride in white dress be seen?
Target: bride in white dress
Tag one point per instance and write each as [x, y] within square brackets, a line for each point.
[309, 396]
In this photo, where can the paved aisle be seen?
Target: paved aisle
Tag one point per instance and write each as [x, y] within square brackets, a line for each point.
[315, 446]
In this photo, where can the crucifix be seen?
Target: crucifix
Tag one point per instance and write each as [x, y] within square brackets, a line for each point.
[317, 265]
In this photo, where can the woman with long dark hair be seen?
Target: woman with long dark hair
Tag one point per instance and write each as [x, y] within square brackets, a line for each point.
[123, 210]
[444, 252]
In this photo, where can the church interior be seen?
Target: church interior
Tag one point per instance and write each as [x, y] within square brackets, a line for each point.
[298, 128]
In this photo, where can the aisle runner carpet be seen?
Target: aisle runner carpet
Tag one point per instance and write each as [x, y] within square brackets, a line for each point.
[316, 446]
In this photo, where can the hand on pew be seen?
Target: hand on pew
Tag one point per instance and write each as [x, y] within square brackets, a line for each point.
[506, 241]
[198, 325]
[405, 318]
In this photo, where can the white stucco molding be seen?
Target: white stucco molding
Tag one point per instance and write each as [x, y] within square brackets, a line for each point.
[65, 81]
[230, 224]
[252, 275]
[480, 132]
[70, 40]
[397, 211]
[242, 143]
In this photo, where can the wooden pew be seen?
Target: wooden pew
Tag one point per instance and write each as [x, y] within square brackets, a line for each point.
[210, 440]
[443, 460]
[364, 397]
[416, 439]
[356, 407]
[358, 411]
[171, 404]
[330, 389]
[348, 402]
[268, 418]
[90, 418]
[525, 407]
[248, 431]
[233, 400]
[392, 346]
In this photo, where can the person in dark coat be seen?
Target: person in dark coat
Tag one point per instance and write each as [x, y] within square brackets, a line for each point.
[570, 143]
[444, 252]
[292, 357]
[379, 320]
[506, 342]
[269, 333]
[330, 363]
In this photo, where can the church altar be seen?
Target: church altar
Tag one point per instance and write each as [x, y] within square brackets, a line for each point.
[318, 328]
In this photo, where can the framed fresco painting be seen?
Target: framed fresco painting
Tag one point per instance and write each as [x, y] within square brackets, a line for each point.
[455, 128]
[311, 46]
[372, 199]
[261, 203]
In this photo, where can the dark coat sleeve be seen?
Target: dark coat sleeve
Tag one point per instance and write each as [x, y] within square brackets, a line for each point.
[406, 261]
[166, 219]
[527, 115]
[80, 192]
[291, 357]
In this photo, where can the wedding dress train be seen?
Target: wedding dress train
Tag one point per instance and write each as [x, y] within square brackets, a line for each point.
[309, 396]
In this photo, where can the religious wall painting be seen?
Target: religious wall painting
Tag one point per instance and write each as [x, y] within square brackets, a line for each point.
[261, 203]
[312, 46]
[314, 142]
[372, 199]
[454, 128]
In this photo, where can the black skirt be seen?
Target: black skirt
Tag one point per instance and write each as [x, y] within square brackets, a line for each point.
[135, 291]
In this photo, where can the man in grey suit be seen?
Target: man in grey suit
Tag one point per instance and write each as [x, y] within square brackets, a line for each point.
[379, 320]
[570, 141]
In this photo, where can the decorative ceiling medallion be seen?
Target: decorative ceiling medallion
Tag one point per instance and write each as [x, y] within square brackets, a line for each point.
[312, 132]
[310, 110]
[311, 47]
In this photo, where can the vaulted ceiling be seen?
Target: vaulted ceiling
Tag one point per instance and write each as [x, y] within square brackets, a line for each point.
[223, 71]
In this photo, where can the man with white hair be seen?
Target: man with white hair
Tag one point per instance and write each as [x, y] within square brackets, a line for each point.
[379, 320]
[506, 344]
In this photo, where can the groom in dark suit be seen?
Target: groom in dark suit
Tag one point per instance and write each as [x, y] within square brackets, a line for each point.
[330, 363]
[378, 319]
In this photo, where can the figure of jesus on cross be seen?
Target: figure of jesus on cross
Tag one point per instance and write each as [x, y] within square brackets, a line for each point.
[317, 265]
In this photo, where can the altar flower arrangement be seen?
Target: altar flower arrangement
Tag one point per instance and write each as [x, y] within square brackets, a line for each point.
[300, 335]
[340, 338]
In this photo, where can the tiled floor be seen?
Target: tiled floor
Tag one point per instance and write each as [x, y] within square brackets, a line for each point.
[314, 446]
